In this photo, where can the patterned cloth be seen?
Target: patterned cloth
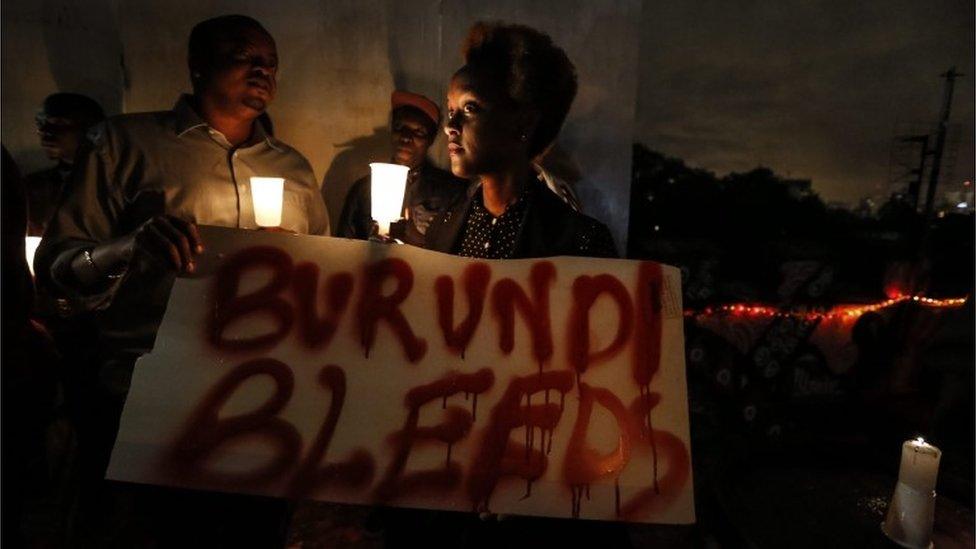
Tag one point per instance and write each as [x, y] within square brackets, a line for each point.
[490, 237]
[548, 227]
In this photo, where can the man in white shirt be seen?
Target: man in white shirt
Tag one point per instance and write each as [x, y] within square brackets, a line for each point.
[127, 227]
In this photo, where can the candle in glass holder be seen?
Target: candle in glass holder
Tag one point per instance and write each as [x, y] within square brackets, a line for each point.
[388, 182]
[267, 193]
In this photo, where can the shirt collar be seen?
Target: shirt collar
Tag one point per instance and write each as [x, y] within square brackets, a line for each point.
[187, 119]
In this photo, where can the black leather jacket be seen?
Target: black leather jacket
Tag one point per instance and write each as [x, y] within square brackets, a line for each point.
[549, 228]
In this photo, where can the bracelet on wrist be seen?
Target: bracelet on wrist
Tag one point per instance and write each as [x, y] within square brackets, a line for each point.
[96, 269]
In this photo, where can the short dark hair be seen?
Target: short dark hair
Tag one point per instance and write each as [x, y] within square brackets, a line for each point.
[536, 73]
[206, 35]
[409, 109]
[84, 109]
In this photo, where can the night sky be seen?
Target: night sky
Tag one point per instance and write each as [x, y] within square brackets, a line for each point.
[810, 89]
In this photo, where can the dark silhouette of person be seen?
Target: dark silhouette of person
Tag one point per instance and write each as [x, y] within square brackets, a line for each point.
[62, 125]
[414, 121]
[29, 369]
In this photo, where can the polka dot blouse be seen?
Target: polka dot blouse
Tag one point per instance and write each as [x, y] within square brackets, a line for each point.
[489, 237]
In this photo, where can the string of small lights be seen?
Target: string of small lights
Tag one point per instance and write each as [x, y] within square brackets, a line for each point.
[845, 312]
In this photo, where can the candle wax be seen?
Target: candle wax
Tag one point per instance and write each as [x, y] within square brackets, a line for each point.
[919, 465]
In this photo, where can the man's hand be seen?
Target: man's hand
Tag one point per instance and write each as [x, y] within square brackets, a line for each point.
[173, 242]
[169, 239]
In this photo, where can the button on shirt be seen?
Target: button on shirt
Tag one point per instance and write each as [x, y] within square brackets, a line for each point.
[171, 162]
[202, 177]
[489, 237]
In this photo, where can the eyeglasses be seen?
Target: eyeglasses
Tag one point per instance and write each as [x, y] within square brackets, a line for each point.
[52, 123]
[404, 131]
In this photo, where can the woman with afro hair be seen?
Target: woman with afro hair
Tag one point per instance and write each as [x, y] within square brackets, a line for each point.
[505, 107]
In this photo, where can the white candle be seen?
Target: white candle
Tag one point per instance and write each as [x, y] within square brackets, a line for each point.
[266, 194]
[388, 182]
[911, 511]
[31, 244]
[919, 464]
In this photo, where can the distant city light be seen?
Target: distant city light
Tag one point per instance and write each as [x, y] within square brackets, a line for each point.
[839, 312]
[962, 205]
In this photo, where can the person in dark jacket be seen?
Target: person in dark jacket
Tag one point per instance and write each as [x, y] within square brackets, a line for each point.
[29, 381]
[62, 124]
[505, 107]
[414, 122]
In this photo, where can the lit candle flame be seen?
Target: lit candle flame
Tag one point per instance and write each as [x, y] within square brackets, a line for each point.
[387, 186]
[266, 194]
[31, 244]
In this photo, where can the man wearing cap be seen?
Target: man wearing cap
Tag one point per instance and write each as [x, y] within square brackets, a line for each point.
[414, 122]
[61, 124]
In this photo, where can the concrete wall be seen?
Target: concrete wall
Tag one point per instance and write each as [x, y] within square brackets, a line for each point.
[48, 46]
[339, 62]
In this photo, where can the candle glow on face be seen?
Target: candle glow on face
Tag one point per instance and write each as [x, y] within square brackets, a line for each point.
[387, 185]
[267, 193]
